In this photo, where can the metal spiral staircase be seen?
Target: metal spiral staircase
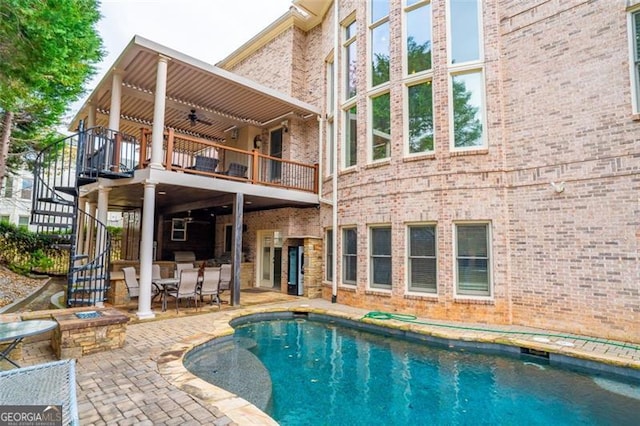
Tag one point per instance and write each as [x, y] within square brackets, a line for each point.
[60, 171]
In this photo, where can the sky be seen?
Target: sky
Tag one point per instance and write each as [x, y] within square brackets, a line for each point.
[208, 30]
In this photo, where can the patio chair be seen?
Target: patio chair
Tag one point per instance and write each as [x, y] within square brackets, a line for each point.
[210, 284]
[225, 277]
[205, 164]
[133, 286]
[236, 170]
[131, 281]
[187, 287]
[181, 266]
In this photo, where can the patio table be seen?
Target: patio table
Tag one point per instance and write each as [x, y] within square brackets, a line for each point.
[163, 285]
[15, 331]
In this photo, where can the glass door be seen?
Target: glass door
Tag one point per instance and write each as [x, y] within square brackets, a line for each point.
[270, 259]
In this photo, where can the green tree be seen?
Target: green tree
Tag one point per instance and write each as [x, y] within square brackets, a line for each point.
[48, 50]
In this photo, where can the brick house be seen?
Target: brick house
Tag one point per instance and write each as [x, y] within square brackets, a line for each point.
[534, 222]
[476, 161]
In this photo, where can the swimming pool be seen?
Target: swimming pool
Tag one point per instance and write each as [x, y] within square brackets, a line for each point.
[320, 372]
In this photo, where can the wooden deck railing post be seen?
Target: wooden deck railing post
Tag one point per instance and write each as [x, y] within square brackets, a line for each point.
[316, 177]
[168, 162]
[254, 167]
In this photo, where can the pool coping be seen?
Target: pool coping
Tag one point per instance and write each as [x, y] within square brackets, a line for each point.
[240, 411]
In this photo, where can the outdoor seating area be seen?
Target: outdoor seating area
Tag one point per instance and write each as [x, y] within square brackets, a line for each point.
[187, 282]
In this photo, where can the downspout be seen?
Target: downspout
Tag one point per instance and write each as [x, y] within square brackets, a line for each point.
[334, 180]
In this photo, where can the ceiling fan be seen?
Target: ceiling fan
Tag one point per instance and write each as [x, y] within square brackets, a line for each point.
[193, 118]
[191, 219]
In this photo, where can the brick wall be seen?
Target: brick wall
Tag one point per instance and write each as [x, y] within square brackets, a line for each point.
[558, 109]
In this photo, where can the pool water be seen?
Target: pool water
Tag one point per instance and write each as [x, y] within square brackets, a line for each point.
[326, 374]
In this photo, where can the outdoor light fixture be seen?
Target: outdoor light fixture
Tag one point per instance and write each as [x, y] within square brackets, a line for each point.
[285, 125]
[257, 141]
[558, 187]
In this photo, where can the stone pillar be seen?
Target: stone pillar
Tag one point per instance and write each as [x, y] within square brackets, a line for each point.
[157, 135]
[313, 254]
[146, 250]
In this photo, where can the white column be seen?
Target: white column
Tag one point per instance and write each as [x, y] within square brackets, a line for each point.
[146, 251]
[88, 237]
[158, 113]
[81, 227]
[91, 116]
[116, 94]
[101, 241]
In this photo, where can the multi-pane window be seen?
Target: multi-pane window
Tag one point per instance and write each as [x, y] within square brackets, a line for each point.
[5, 218]
[422, 274]
[420, 117]
[349, 255]
[418, 120]
[467, 81]
[635, 35]
[380, 252]
[350, 60]
[8, 187]
[418, 41]
[472, 260]
[467, 109]
[328, 264]
[380, 42]
[464, 18]
[351, 137]
[27, 186]
[23, 222]
[380, 127]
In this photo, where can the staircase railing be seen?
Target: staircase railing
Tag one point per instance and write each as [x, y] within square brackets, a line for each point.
[88, 278]
[59, 170]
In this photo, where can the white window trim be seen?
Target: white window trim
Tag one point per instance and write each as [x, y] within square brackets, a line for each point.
[454, 67]
[415, 80]
[405, 68]
[489, 226]
[370, 27]
[466, 68]
[369, 248]
[483, 116]
[633, 76]
[327, 248]
[407, 289]
[345, 124]
[345, 42]
[380, 90]
[341, 267]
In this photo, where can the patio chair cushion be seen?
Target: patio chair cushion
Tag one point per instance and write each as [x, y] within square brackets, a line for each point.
[237, 170]
[205, 164]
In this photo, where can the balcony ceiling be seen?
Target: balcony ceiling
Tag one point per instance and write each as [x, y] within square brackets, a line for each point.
[219, 97]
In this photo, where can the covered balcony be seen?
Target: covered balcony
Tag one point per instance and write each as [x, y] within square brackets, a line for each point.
[172, 137]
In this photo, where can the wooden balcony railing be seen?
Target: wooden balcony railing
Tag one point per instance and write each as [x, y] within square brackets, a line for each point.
[188, 154]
